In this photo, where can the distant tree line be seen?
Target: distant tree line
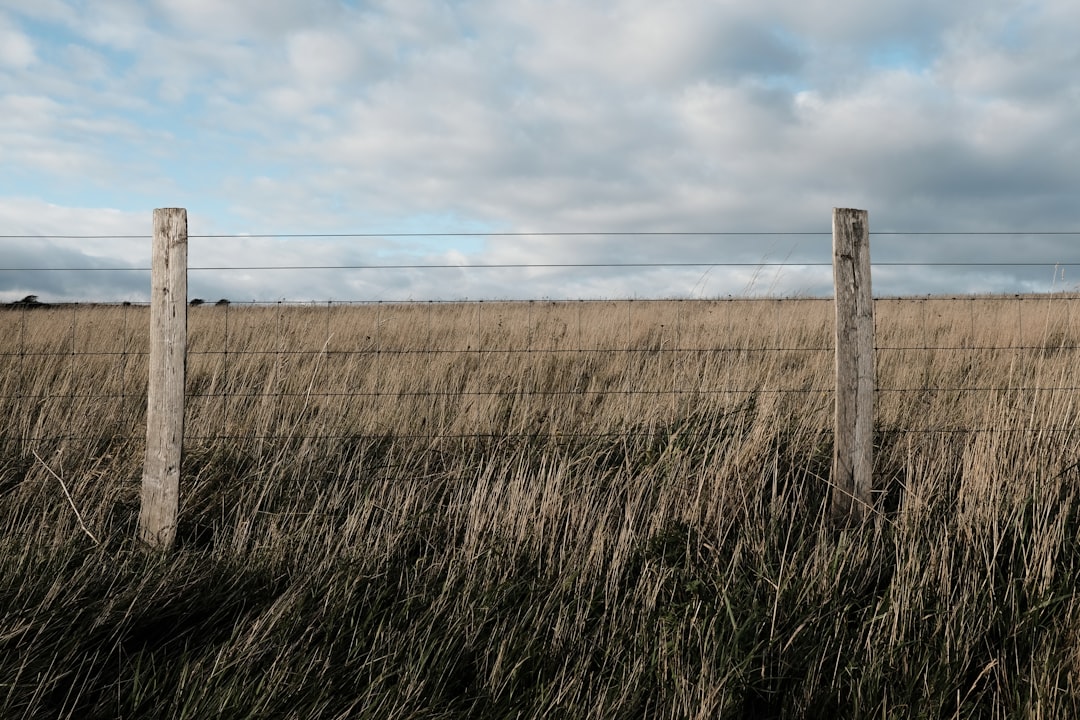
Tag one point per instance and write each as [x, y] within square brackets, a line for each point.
[31, 302]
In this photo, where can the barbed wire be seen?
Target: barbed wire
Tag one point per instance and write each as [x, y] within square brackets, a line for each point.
[660, 432]
[678, 392]
[559, 233]
[549, 266]
[673, 391]
[729, 298]
[340, 353]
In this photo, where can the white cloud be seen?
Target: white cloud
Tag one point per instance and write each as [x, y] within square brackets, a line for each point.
[116, 24]
[245, 19]
[16, 48]
[33, 217]
[322, 57]
[282, 115]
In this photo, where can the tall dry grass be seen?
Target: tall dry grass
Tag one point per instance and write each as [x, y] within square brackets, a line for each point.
[595, 510]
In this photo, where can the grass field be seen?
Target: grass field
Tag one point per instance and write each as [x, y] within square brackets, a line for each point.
[564, 510]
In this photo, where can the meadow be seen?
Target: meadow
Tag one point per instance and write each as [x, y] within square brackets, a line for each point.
[543, 510]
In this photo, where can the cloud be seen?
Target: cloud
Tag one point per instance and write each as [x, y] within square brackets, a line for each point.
[246, 19]
[523, 115]
[16, 48]
[39, 248]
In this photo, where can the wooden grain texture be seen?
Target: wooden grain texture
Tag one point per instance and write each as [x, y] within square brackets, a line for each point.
[165, 394]
[853, 454]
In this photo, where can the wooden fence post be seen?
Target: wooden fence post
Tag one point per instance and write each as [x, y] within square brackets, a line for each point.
[165, 394]
[853, 445]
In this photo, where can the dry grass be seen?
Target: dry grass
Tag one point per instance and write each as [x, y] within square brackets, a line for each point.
[595, 510]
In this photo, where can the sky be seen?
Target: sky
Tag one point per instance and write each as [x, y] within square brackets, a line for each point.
[659, 137]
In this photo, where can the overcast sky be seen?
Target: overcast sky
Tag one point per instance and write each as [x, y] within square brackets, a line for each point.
[519, 116]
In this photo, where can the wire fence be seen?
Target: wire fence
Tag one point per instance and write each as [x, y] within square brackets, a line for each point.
[441, 371]
[559, 371]
[527, 265]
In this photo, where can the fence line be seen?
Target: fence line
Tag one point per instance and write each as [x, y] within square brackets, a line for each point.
[76, 309]
[651, 335]
[577, 233]
[540, 266]
[72, 351]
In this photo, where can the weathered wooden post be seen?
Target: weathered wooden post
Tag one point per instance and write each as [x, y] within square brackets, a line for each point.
[853, 453]
[165, 394]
